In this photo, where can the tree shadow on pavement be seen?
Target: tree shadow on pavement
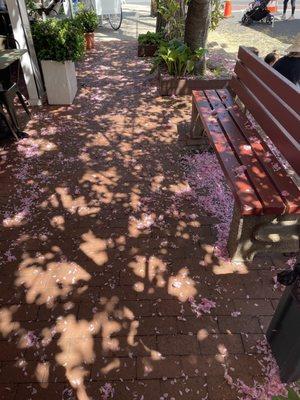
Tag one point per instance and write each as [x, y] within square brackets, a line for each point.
[285, 31]
[98, 265]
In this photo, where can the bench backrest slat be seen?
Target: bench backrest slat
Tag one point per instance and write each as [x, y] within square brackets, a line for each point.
[285, 89]
[245, 154]
[287, 189]
[284, 114]
[273, 101]
[279, 136]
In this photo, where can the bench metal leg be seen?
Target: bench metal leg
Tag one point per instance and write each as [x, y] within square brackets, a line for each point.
[250, 235]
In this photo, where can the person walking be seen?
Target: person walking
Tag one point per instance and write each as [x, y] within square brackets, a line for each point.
[293, 5]
[289, 65]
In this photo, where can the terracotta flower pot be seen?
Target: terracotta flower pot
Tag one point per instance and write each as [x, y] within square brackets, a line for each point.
[89, 40]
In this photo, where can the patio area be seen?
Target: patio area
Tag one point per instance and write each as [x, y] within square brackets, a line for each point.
[110, 288]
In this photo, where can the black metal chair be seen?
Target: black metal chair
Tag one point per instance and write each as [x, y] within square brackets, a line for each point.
[5, 120]
[7, 97]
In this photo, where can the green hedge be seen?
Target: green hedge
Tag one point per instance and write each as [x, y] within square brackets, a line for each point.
[58, 40]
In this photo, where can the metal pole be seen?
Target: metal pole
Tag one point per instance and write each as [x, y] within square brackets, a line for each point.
[137, 16]
[71, 8]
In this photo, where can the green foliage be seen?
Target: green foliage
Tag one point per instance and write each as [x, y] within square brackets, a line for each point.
[177, 57]
[217, 13]
[31, 6]
[150, 38]
[292, 395]
[171, 12]
[58, 40]
[217, 71]
[86, 20]
[174, 13]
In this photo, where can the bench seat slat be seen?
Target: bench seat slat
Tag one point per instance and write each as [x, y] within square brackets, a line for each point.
[266, 191]
[288, 190]
[242, 189]
[267, 122]
[285, 115]
[279, 84]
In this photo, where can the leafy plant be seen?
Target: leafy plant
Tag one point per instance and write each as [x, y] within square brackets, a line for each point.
[217, 13]
[86, 20]
[150, 38]
[292, 395]
[217, 71]
[31, 6]
[172, 12]
[58, 40]
[177, 58]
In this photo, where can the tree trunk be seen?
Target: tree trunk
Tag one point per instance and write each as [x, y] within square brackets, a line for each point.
[160, 23]
[196, 27]
[153, 8]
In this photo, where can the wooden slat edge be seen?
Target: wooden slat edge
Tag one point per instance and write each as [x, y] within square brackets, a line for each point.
[287, 90]
[268, 124]
[270, 198]
[241, 195]
[288, 190]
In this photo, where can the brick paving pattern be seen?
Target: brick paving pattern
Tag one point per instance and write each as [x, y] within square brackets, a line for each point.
[97, 265]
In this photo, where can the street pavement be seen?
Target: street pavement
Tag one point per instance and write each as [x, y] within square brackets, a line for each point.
[228, 36]
[238, 5]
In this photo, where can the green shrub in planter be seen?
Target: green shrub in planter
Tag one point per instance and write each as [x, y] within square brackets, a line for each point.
[86, 20]
[177, 58]
[58, 44]
[150, 38]
[58, 40]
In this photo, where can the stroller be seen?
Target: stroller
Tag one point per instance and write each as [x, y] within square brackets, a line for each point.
[258, 11]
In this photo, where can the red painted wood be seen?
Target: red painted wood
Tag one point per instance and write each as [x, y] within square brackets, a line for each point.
[267, 193]
[267, 122]
[285, 89]
[287, 189]
[270, 102]
[241, 187]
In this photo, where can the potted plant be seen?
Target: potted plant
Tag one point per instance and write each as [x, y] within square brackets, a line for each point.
[87, 21]
[176, 63]
[148, 43]
[58, 44]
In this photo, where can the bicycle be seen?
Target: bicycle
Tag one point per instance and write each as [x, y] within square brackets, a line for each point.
[115, 19]
[107, 9]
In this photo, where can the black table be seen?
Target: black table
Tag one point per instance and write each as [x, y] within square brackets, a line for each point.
[9, 56]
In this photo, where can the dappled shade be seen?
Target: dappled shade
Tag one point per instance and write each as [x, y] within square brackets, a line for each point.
[108, 268]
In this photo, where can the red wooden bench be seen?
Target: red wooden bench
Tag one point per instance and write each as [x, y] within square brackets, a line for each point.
[267, 199]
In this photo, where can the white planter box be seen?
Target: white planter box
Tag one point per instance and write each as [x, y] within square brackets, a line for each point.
[60, 81]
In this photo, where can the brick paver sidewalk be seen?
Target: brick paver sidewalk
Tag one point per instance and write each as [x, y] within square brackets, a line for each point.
[98, 265]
